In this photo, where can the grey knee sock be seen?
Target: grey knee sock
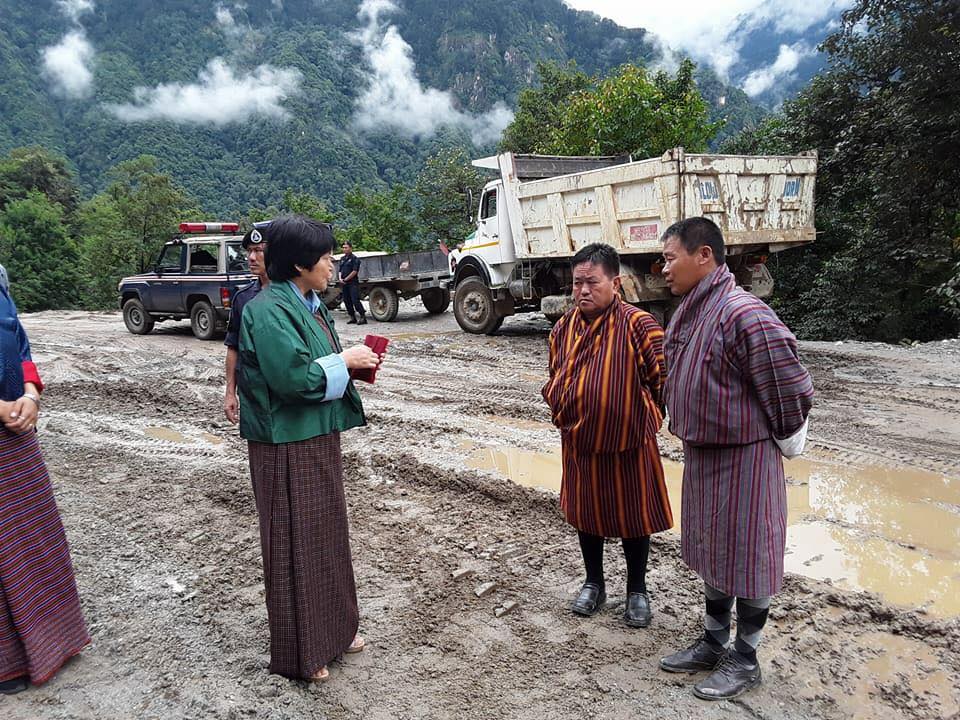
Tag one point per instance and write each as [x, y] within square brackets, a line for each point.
[751, 617]
[716, 621]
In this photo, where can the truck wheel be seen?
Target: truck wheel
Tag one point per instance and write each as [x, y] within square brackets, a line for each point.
[331, 298]
[202, 320]
[384, 303]
[136, 318]
[473, 307]
[435, 300]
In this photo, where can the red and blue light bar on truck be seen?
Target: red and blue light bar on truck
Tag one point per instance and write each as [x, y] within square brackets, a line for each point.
[209, 227]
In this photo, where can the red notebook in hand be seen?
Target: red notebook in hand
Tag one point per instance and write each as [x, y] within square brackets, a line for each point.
[378, 344]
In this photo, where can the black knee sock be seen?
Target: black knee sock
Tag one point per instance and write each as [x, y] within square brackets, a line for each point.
[751, 617]
[592, 548]
[716, 621]
[637, 552]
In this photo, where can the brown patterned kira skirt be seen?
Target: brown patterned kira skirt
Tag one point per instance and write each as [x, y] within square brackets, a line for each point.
[307, 567]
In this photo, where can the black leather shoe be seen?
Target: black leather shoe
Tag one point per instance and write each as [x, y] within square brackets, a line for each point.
[362, 320]
[14, 686]
[590, 600]
[352, 320]
[732, 678]
[638, 613]
[699, 656]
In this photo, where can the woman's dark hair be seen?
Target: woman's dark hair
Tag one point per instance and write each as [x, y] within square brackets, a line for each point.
[295, 240]
[693, 233]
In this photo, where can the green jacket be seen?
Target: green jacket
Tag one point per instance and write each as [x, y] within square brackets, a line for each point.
[281, 386]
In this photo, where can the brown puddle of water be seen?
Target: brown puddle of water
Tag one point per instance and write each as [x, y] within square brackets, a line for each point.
[893, 531]
[162, 433]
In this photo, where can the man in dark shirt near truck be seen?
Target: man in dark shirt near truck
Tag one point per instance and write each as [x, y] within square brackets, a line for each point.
[255, 244]
[350, 282]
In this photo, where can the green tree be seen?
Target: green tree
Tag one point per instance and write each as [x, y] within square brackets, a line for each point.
[539, 109]
[885, 117]
[303, 203]
[443, 189]
[36, 168]
[107, 249]
[631, 112]
[38, 254]
[380, 220]
[149, 205]
[295, 202]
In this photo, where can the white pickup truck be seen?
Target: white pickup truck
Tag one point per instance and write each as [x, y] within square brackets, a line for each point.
[542, 209]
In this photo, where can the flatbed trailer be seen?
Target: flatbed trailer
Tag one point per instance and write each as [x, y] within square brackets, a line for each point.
[385, 278]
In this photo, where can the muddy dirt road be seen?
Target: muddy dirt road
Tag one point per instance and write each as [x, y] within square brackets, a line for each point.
[154, 490]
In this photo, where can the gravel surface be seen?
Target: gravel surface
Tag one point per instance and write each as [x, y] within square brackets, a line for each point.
[154, 490]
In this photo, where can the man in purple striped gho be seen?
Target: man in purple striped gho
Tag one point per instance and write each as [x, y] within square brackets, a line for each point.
[738, 397]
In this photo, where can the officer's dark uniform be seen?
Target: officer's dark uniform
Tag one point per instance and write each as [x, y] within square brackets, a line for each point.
[351, 290]
[240, 298]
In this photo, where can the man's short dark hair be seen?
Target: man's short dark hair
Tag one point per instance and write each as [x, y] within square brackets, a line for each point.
[598, 254]
[693, 233]
[295, 240]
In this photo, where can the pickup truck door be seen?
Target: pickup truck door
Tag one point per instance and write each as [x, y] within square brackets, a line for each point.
[164, 286]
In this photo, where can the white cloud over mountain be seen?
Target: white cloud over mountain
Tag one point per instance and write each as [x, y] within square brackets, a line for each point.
[761, 80]
[715, 31]
[220, 96]
[396, 99]
[68, 63]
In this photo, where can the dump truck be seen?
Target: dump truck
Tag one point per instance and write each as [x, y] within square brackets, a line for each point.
[543, 209]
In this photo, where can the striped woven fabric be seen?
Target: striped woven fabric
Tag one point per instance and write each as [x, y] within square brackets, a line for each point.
[734, 517]
[307, 566]
[41, 625]
[735, 382]
[604, 394]
[735, 375]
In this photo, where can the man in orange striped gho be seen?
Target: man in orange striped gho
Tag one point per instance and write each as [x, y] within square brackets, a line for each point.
[606, 374]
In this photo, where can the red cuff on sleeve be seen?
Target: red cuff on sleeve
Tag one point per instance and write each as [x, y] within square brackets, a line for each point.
[30, 374]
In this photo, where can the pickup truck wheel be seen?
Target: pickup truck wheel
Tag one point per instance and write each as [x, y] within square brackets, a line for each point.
[435, 300]
[202, 320]
[384, 304]
[136, 318]
[473, 307]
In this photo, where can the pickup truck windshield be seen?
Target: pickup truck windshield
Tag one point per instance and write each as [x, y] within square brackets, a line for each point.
[203, 258]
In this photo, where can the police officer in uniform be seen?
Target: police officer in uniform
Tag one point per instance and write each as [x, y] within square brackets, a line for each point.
[255, 244]
[349, 280]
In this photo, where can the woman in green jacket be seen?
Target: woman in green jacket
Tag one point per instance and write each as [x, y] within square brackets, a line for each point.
[296, 398]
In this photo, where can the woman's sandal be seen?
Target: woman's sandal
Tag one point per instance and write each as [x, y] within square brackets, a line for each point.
[321, 675]
[357, 645]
